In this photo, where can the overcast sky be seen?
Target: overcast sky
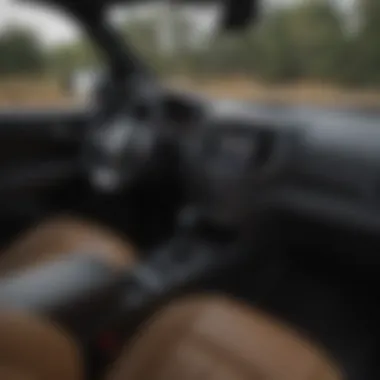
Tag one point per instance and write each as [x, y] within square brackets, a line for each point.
[54, 27]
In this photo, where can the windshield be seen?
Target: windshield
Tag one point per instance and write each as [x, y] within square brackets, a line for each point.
[319, 52]
[315, 52]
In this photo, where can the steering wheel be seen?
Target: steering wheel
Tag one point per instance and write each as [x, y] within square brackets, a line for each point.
[123, 138]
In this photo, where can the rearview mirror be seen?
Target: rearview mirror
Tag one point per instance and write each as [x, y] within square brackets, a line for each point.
[239, 14]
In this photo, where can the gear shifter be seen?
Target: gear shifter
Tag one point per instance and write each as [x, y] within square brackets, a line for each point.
[186, 261]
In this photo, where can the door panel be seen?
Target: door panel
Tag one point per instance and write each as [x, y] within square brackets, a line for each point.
[27, 135]
[38, 154]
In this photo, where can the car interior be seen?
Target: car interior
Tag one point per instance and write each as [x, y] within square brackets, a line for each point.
[162, 236]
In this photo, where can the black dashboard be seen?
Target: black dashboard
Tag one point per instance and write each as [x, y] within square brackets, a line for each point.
[240, 160]
[336, 175]
[231, 163]
[236, 158]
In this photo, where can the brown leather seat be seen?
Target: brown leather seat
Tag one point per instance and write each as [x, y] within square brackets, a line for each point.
[63, 235]
[215, 338]
[33, 349]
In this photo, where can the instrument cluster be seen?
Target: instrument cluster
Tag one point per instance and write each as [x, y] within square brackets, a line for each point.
[230, 162]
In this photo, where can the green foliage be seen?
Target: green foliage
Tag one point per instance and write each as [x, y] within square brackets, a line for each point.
[21, 53]
[317, 39]
[307, 41]
[65, 59]
[142, 36]
[366, 57]
[273, 47]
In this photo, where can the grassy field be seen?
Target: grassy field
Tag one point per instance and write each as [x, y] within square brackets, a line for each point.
[42, 92]
[31, 92]
[296, 93]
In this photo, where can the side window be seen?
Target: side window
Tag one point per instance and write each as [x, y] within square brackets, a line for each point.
[45, 59]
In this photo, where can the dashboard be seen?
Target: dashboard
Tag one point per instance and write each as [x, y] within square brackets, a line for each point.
[336, 175]
[241, 161]
[230, 163]
[236, 158]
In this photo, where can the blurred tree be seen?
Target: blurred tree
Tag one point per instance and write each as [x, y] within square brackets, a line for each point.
[275, 57]
[68, 57]
[318, 38]
[146, 36]
[366, 58]
[21, 53]
[142, 35]
[307, 40]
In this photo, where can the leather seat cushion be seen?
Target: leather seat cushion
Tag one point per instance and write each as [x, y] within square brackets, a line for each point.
[62, 235]
[33, 349]
[215, 338]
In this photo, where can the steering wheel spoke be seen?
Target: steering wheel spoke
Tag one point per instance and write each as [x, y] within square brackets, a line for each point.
[119, 150]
